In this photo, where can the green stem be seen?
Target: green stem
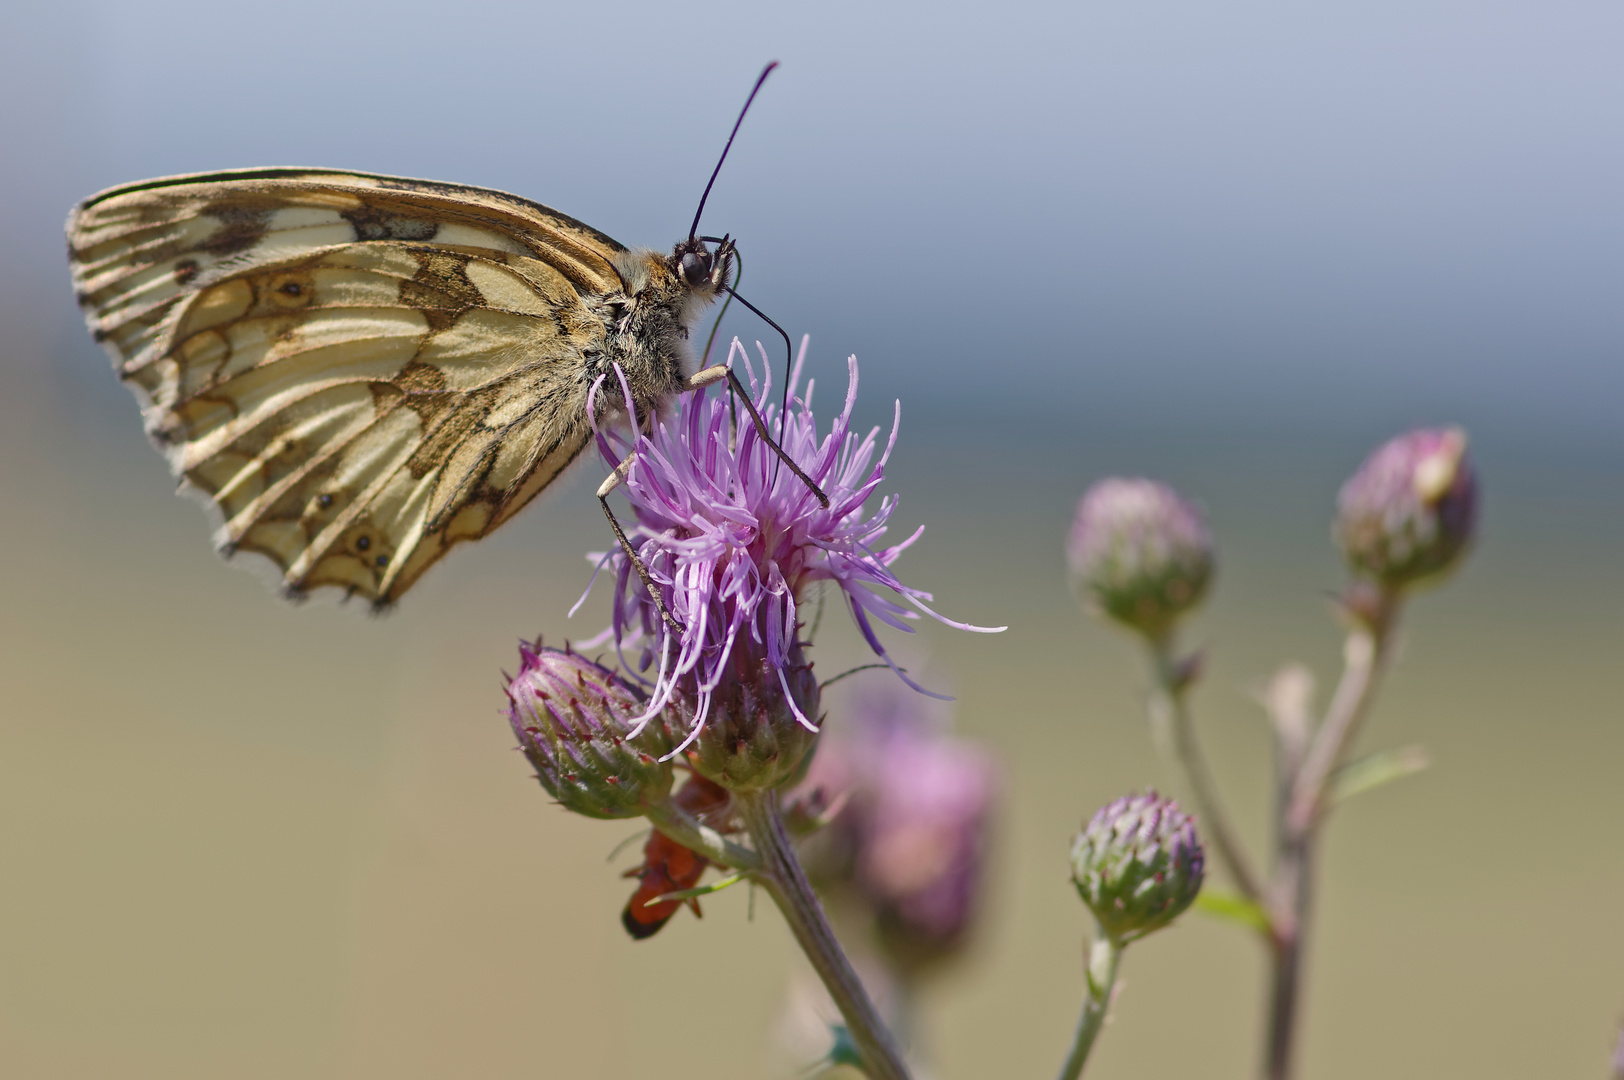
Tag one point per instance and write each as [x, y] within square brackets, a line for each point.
[781, 875]
[1103, 957]
[695, 835]
[1170, 695]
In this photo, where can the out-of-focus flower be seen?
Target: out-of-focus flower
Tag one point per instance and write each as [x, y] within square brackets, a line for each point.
[1410, 510]
[732, 540]
[575, 722]
[1137, 864]
[909, 842]
[1140, 553]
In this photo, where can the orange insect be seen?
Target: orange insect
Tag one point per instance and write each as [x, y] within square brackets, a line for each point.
[668, 866]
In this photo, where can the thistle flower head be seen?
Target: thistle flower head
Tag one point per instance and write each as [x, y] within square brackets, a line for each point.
[1137, 864]
[909, 842]
[733, 540]
[923, 855]
[1140, 552]
[574, 721]
[1410, 510]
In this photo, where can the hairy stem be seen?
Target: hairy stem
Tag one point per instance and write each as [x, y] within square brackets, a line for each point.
[781, 875]
[1103, 957]
[1171, 694]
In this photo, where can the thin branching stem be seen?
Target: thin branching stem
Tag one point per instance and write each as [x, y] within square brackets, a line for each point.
[1301, 809]
[781, 875]
[1171, 694]
[1365, 658]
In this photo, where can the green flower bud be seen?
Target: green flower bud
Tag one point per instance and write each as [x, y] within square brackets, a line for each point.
[758, 731]
[574, 722]
[1137, 864]
[1140, 553]
[1410, 510]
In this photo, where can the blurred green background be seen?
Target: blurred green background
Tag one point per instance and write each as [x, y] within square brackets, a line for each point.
[1233, 248]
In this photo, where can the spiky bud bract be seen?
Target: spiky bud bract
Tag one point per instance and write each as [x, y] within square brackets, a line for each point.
[1137, 864]
[760, 729]
[575, 722]
[1140, 553]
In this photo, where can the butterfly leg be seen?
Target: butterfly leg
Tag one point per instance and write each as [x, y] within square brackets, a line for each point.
[617, 478]
[705, 376]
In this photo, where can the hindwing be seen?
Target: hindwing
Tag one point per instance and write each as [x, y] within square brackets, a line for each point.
[357, 371]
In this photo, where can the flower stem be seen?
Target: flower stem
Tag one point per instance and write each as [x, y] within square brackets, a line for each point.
[1171, 692]
[1365, 657]
[1303, 803]
[786, 883]
[693, 834]
[1292, 878]
[1103, 957]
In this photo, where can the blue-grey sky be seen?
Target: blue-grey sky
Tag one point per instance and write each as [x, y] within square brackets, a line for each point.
[1261, 211]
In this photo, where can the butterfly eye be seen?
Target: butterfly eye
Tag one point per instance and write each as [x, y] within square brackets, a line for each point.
[696, 267]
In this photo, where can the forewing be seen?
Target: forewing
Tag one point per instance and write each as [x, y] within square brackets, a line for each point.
[357, 371]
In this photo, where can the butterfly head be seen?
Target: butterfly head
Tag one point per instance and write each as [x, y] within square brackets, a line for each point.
[700, 268]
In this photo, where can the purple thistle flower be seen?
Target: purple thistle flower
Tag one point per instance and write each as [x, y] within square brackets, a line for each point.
[732, 539]
[909, 839]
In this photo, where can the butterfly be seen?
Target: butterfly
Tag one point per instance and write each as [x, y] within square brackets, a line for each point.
[360, 371]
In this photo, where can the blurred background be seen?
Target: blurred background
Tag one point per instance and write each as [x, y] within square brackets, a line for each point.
[1230, 245]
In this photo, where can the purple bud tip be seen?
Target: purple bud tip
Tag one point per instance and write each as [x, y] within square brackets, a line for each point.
[1410, 511]
[579, 724]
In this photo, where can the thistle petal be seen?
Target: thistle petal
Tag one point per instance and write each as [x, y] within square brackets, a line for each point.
[732, 539]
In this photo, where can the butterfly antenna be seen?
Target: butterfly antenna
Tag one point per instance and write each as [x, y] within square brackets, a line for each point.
[766, 71]
[783, 408]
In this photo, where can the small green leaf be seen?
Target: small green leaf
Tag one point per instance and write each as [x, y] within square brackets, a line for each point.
[1236, 909]
[641, 834]
[704, 890]
[1371, 772]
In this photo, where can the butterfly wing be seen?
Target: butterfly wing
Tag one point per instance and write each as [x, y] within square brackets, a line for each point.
[357, 371]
